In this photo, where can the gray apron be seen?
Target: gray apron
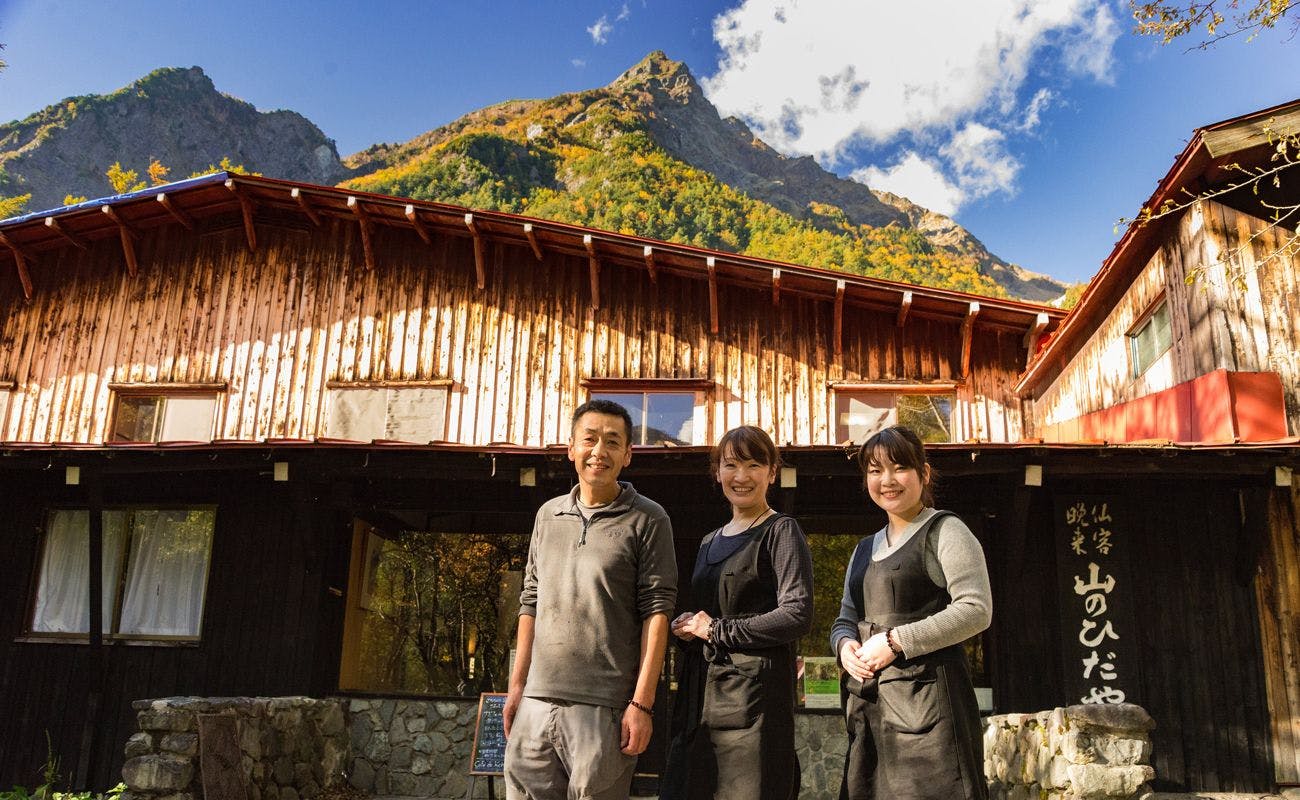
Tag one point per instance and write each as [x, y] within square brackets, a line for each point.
[733, 718]
[914, 730]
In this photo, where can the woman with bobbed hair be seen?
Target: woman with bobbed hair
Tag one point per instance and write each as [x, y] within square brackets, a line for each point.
[733, 719]
[913, 593]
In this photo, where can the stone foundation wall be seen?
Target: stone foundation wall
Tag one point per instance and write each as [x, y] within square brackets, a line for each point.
[821, 742]
[289, 748]
[413, 747]
[1084, 752]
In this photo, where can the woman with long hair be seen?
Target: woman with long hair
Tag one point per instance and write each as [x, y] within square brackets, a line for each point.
[733, 720]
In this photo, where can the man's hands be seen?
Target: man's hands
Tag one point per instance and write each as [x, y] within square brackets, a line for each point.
[513, 697]
[637, 727]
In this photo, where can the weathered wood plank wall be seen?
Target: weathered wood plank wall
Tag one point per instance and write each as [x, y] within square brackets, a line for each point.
[276, 325]
[1278, 595]
[1239, 313]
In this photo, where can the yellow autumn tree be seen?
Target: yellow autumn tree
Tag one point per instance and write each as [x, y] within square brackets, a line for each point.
[123, 180]
[13, 206]
[157, 173]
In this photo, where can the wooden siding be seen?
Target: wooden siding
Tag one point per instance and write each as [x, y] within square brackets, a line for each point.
[1278, 590]
[276, 325]
[1242, 316]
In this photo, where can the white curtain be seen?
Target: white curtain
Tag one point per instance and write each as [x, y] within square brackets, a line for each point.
[63, 595]
[167, 572]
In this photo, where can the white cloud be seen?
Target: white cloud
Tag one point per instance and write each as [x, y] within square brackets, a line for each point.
[600, 30]
[979, 158]
[578, 62]
[827, 77]
[916, 179]
[624, 13]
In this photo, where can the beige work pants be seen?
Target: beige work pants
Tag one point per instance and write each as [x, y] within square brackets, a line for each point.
[560, 750]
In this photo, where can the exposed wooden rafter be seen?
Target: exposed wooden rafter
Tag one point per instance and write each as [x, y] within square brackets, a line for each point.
[904, 308]
[839, 316]
[54, 225]
[305, 205]
[711, 264]
[649, 253]
[1033, 335]
[414, 219]
[246, 209]
[776, 287]
[967, 336]
[23, 275]
[127, 236]
[593, 269]
[177, 214]
[479, 268]
[532, 240]
[363, 220]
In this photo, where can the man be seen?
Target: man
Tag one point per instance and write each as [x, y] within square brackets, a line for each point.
[600, 583]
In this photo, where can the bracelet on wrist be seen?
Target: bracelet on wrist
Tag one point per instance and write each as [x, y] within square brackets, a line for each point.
[893, 646]
[646, 709]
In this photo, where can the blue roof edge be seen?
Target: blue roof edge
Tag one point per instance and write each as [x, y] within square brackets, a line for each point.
[151, 191]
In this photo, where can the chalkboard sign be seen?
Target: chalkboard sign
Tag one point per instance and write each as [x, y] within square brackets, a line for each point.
[489, 754]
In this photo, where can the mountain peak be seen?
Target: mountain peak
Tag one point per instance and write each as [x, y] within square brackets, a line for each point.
[657, 70]
[175, 78]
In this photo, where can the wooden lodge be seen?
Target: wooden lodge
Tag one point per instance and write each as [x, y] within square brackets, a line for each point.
[225, 400]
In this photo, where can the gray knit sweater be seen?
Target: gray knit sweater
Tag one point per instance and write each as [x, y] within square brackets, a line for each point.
[590, 585]
[953, 559]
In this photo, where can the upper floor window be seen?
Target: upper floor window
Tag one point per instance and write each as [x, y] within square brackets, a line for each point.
[1150, 337]
[6, 389]
[154, 567]
[408, 412]
[663, 411]
[163, 413]
[860, 412]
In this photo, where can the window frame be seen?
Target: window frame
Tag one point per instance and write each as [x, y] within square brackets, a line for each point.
[846, 388]
[163, 391]
[29, 634]
[1144, 322]
[7, 389]
[446, 384]
[701, 388]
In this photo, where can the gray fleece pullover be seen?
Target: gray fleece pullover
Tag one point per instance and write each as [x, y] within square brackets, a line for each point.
[590, 584]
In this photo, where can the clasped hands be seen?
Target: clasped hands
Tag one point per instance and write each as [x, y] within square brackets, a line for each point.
[863, 661]
[690, 625]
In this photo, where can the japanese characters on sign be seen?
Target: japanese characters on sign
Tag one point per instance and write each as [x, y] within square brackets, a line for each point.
[1097, 622]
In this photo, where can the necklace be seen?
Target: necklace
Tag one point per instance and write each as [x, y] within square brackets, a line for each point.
[762, 514]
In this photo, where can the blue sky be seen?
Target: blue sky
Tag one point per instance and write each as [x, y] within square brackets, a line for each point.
[1035, 123]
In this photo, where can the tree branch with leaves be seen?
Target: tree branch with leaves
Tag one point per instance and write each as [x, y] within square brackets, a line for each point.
[1283, 215]
[1221, 19]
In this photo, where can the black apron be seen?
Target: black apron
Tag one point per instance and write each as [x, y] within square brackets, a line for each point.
[733, 718]
[914, 730]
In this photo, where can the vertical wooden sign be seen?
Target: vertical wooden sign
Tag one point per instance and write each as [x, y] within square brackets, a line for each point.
[1098, 627]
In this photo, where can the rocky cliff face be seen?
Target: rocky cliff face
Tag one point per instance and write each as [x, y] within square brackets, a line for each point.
[685, 123]
[515, 156]
[173, 115]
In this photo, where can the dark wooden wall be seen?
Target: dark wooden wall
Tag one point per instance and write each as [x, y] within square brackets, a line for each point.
[270, 626]
[1201, 661]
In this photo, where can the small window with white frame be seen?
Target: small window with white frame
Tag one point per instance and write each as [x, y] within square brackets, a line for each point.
[407, 412]
[154, 573]
[862, 410]
[164, 412]
[1150, 338]
[664, 411]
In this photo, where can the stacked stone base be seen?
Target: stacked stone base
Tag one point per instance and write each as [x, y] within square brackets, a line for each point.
[1084, 752]
[290, 748]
